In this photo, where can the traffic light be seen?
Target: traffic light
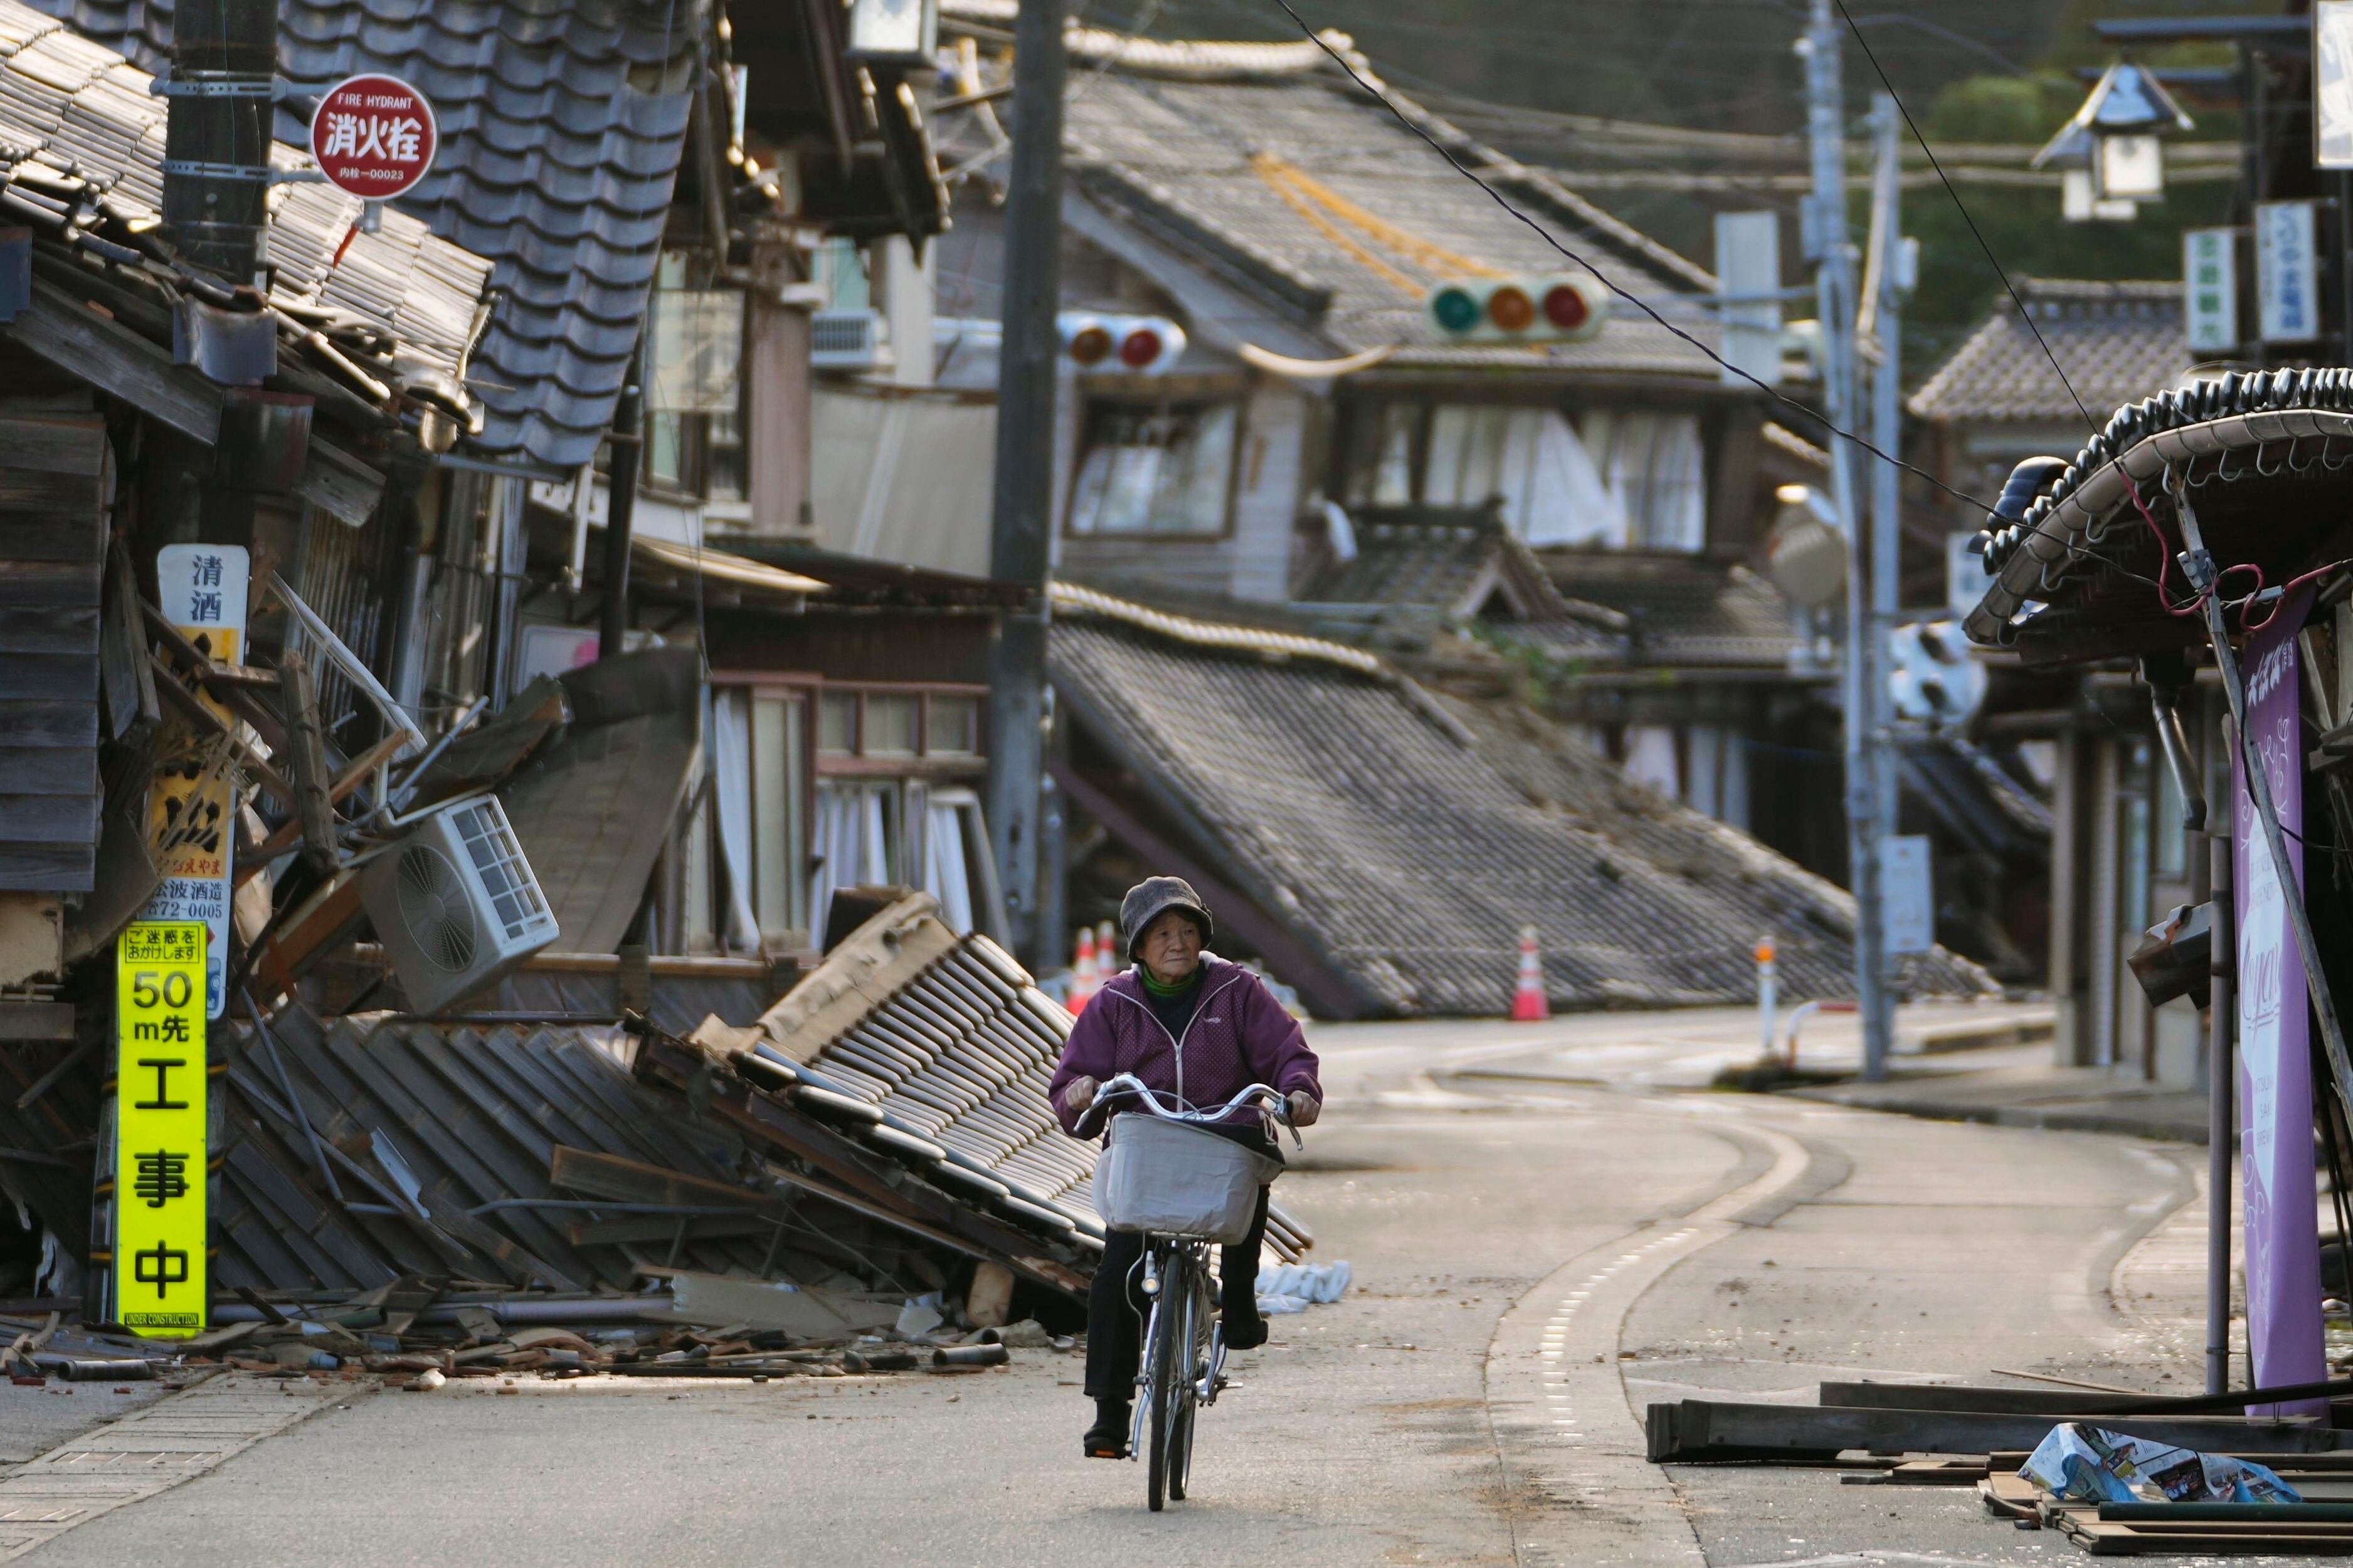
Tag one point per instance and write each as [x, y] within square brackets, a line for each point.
[1556, 308]
[1120, 345]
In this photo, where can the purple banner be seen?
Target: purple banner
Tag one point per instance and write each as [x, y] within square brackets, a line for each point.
[2281, 1221]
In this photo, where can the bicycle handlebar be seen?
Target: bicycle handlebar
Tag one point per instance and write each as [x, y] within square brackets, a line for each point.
[1272, 1099]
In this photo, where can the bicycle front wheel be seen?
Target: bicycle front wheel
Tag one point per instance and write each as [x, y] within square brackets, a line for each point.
[1169, 1350]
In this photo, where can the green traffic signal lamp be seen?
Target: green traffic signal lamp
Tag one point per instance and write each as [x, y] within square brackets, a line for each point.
[1455, 309]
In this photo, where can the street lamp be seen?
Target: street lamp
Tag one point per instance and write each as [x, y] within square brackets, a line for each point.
[2112, 153]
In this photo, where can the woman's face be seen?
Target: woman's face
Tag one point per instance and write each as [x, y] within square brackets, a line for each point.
[1171, 948]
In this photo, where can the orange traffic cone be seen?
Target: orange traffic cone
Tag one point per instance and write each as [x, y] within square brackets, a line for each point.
[1083, 971]
[1528, 1004]
[1107, 958]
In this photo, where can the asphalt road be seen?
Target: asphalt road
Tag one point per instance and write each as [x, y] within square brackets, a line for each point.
[1536, 1258]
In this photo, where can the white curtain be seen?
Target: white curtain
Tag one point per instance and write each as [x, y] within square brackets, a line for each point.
[1655, 467]
[852, 845]
[1553, 492]
[945, 877]
[1651, 759]
[730, 792]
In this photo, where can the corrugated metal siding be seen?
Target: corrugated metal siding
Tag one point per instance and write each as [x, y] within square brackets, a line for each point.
[55, 477]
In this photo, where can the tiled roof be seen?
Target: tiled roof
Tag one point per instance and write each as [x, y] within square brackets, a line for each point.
[1280, 173]
[2118, 342]
[561, 122]
[1434, 556]
[1682, 609]
[67, 101]
[1406, 839]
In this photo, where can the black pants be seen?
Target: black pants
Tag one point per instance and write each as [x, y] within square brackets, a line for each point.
[1116, 1303]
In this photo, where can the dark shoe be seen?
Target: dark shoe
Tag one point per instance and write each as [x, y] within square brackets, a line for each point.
[1244, 1330]
[1107, 1438]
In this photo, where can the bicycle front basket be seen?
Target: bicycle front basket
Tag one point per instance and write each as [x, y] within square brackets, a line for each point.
[1173, 1180]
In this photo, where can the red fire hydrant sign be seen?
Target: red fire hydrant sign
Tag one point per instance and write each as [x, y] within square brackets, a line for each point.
[373, 136]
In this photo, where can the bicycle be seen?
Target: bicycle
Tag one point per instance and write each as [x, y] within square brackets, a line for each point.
[1181, 1367]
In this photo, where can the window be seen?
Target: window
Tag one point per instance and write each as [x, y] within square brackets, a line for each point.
[1528, 458]
[758, 807]
[1163, 470]
[837, 729]
[893, 724]
[955, 727]
[1654, 464]
[693, 381]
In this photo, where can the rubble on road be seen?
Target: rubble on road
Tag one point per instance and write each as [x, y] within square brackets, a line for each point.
[863, 1176]
[2288, 1482]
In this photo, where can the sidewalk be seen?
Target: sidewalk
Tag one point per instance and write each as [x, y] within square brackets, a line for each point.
[2018, 1085]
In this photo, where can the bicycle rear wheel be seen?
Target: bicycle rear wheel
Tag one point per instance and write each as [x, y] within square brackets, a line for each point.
[1169, 1349]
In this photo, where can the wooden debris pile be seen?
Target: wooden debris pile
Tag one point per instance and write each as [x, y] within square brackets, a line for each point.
[1892, 1434]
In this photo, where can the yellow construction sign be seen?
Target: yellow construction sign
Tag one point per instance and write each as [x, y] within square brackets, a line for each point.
[160, 1286]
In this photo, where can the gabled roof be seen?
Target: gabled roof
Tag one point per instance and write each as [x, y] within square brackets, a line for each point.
[1682, 609]
[1448, 559]
[562, 123]
[1266, 165]
[2118, 342]
[1400, 840]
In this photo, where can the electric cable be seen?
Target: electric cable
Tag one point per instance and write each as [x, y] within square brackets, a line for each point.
[2164, 546]
[1609, 283]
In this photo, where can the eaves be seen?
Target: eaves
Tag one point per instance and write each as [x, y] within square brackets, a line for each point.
[119, 362]
[1225, 305]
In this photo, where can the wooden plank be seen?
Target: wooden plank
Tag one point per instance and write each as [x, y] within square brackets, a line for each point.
[1701, 1430]
[339, 484]
[48, 628]
[114, 359]
[54, 443]
[27, 722]
[595, 1175]
[62, 526]
[33, 505]
[37, 1021]
[2063, 1403]
[124, 676]
[48, 675]
[47, 868]
[69, 583]
[47, 770]
[49, 818]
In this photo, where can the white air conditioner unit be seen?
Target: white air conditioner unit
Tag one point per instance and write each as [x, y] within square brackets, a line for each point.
[455, 904]
[845, 340]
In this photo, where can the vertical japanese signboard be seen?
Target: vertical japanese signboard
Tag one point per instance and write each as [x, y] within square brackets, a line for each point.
[159, 1129]
[2210, 289]
[192, 816]
[2275, 1033]
[2287, 273]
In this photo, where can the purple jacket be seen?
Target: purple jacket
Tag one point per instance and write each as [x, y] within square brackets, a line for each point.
[1240, 1036]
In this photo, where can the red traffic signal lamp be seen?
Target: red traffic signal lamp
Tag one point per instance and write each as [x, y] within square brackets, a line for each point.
[1120, 345]
[1554, 308]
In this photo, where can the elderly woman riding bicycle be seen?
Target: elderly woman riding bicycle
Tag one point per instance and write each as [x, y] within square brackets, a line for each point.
[1191, 1025]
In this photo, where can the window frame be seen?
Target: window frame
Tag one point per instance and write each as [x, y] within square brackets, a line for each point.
[1093, 402]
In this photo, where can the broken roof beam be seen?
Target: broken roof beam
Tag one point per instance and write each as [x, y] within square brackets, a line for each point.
[123, 364]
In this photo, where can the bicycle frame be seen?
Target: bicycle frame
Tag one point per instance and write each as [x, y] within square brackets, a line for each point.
[1183, 1361]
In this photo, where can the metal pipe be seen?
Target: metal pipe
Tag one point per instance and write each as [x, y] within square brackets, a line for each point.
[2165, 708]
[2200, 566]
[2221, 1113]
[515, 1315]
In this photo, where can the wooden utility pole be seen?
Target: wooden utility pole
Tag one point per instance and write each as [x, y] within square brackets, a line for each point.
[1021, 537]
[627, 440]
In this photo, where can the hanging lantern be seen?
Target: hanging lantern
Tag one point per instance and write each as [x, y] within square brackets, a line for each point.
[2112, 153]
